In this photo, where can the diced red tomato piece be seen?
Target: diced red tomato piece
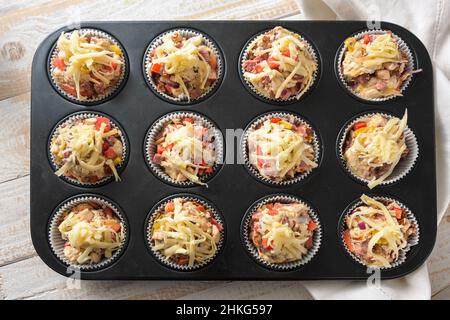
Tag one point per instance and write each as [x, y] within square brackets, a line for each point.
[105, 146]
[265, 244]
[156, 67]
[159, 149]
[99, 122]
[359, 125]
[312, 226]
[169, 207]
[275, 120]
[59, 63]
[259, 68]
[110, 153]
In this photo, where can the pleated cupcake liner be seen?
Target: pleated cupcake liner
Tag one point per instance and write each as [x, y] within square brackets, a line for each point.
[156, 129]
[187, 33]
[292, 118]
[403, 167]
[244, 56]
[412, 241]
[166, 261]
[109, 92]
[403, 47]
[57, 243]
[81, 116]
[253, 251]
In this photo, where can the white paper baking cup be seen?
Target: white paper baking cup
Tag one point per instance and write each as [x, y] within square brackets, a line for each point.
[412, 241]
[57, 242]
[292, 118]
[159, 208]
[401, 169]
[85, 115]
[188, 33]
[288, 266]
[244, 56]
[111, 90]
[158, 126]
[403, 47]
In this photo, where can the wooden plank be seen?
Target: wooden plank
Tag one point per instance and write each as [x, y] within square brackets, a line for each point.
[249, 290]
[22, 29]
[15, 239]
[15, 137]
[439, 263]
[32, 279]
[442, 295]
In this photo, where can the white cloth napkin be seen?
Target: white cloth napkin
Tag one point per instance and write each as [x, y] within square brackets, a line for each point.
[429, 21]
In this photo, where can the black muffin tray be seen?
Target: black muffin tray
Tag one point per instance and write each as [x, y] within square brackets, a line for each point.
[329, 189]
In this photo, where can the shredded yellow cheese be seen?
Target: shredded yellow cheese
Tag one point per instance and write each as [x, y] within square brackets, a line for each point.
[186, 231]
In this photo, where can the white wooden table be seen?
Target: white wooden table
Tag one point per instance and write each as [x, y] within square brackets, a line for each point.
[23, 25]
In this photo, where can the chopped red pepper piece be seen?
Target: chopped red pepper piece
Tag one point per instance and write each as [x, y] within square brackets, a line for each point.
[273, 64]
[69, 89]
[169, 147]
[99, 122]
[275, 120]
[366, 39]
[398, 213]
[359, 125]
[286, 53]
[59, 63]
[188, 119]
[209, 170]
[265, 244]
[156, 67]
[312, 226]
